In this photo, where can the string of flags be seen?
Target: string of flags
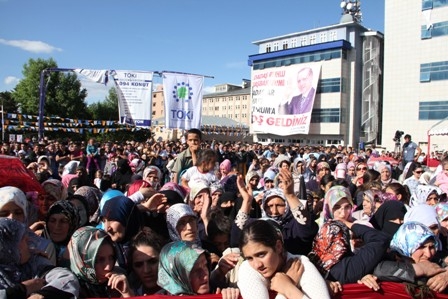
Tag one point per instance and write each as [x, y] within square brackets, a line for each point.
[26, 122]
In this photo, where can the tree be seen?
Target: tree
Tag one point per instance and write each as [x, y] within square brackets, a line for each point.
[106, 110]
[9, 106]
[64, 95]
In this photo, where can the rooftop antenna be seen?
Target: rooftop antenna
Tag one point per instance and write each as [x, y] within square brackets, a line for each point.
[351, 11]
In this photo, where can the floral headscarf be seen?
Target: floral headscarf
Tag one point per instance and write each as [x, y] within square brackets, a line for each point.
[423, 213]
[173, 215]
[66, 208]
[176, 262]
[410, 236]
[93, 197]
[421, 194]
[330, 245]
[83, 248]
[175, 187]
[332, 197]
[441, 211]
[55, 188]
[251, 174]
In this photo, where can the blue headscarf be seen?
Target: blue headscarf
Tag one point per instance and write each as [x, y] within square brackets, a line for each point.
[410, 236]
[125, 211]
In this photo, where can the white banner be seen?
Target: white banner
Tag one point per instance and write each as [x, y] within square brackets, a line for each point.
[283, 98]
[183, 100]
[98, 76]
[134, 90]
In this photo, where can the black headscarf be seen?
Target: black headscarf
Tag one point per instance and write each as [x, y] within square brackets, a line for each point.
[389, 210]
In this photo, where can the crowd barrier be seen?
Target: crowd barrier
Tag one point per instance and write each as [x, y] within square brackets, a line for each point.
[350, 291]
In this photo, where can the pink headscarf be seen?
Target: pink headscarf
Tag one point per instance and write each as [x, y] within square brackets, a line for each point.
[226, 165]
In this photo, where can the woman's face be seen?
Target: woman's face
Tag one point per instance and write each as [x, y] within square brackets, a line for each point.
[58, 227]
[367, 206]
[115, 229]
[385, 174]
[45, 202]
[145, 265]
[323, 171]
[275, 207]
[24, 249]
[300, 167]
[433, 199]
[342, 209]
[265, 260]
[284, 165]
[418, 173]
[254, 182]
[391, 191]
[104, 261]
[425, 252]
[187, 227]
[216, 195]
[199, 200]
[12, 211]
[199, 276]
[351, 171]
[269, 184]
[361, 169]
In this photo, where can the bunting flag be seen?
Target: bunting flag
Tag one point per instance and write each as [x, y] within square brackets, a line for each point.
[134, 90]
[183, 100]
[98, 76]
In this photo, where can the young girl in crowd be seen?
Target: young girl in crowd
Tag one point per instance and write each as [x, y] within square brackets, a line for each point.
[98, 178]
[203, 171]
[268, 266]
[183, 270]
[92, 259]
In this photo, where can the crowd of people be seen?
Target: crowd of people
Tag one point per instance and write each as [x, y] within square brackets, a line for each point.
[190, 217]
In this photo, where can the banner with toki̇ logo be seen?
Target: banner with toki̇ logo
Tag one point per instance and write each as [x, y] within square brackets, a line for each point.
[183, 100]
[134, 90]
[283, 98]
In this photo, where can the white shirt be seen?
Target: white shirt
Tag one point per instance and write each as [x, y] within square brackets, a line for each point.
[253, 285]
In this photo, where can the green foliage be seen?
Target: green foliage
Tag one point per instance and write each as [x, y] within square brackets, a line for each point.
[107, 109]
[64, 95]
[9, 105]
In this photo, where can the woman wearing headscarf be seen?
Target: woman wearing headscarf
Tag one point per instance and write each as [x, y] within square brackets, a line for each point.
[282, 206]
[425, 194]
[153, 175]
[62, 220]
[371, 201]
[93, 196]
[13, 205]
[54, 191]
[122, 221]
[385, 171]
[332, 252]
[313, 183]
[92, 259]
[389, 217]
[412, 248]
[183, 270]
[23, 273]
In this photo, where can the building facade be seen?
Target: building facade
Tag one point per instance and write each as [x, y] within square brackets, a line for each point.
[348, 96]
[415, 70]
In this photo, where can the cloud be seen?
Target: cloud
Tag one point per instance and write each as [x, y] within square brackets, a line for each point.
[11, 80]
[33, 46]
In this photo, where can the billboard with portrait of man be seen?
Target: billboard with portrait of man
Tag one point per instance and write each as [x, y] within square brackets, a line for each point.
[283, 99]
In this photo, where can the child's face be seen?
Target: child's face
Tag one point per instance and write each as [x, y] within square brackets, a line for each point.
[98, 175]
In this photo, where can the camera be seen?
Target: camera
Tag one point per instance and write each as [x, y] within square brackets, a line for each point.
[398, 135]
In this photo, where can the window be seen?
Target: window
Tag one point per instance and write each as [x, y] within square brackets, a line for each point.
[268, 48]
[331, 115]
[285, 45]
[434, 71]
[329, 85]
[435, 110]
[293, 43]
[436, 30]
[430, 4]
[275, 46]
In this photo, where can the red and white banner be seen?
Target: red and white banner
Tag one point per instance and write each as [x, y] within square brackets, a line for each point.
[283, 98]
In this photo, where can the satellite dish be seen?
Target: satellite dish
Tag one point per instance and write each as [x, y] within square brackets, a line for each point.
[349, 6]
[343, 4]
